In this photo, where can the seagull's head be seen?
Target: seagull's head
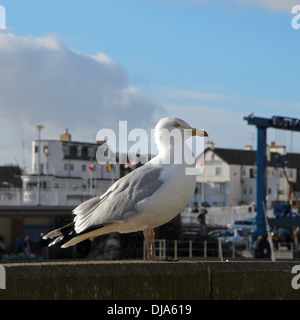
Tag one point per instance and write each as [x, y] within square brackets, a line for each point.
[176, 128]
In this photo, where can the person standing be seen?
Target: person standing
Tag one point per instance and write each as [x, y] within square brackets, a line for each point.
[202, 221]
[19, 243]
[202, 216]
[27, 247]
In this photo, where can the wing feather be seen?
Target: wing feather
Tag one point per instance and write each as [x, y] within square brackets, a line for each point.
[120, 201]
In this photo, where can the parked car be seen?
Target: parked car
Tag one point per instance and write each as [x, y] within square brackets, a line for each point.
[237, 236]
[245, 224]
[212, 248]
[283, 236]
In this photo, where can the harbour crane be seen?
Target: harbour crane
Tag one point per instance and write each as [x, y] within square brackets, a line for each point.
[262, 124]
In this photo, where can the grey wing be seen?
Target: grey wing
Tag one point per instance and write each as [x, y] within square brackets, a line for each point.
[120, 199]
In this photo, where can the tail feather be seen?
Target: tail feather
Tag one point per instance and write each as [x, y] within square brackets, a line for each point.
[78, 230]
[90, 234]
[60, 231]
[67, 236]
[60, 234]
[79, 238]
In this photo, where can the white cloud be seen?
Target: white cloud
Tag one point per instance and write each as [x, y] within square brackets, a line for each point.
[44, 82]
[181, 2]
[270, 5]
[178, 93]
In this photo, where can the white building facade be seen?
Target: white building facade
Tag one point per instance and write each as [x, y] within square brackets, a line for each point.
[66, 172]
[229, 177]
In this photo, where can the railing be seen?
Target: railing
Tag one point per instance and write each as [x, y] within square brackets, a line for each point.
[197, 249]
[192, 249]
[11, 196]
[48, 197]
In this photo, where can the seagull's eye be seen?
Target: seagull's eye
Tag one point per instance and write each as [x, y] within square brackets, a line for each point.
[176, 125]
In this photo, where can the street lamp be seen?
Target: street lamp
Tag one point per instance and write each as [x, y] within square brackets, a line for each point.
[39, 128]
[47, 154]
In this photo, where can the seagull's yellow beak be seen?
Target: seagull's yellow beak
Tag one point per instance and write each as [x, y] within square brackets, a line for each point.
[199, 132]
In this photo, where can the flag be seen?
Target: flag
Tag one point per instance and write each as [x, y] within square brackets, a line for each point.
[108, 167]
[129, 164]
[201, 162]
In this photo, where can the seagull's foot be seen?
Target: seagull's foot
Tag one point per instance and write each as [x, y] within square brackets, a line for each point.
[168, 259]
[151, 255]
[153, 259]
[149, 235]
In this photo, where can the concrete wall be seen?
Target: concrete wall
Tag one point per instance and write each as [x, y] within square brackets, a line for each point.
[149, 280]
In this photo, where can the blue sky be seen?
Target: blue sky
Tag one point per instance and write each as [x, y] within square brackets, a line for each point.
[208, 62]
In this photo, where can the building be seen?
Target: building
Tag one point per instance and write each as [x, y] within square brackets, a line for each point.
[229, 177]
[10, 177]
[10, 184]
[66, 172]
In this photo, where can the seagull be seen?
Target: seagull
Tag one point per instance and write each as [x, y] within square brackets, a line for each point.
[144, 199]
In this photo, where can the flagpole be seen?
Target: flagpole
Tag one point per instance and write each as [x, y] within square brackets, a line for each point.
[91, 169]
[91, 176]
[112, 175]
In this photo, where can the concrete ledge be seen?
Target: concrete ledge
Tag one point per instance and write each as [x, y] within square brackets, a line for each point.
[139, 280]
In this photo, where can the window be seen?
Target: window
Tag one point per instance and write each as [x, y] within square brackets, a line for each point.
[84, 152]
[69, 166]
[83, 167]
[218, 188]
[73, 151]
[66, 151]
[244, 172]
[91, 152]
[218, 171]
[280, 173]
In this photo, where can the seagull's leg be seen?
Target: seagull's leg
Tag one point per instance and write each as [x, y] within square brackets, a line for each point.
[149, 235]
[147, 242]
[152, 244]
